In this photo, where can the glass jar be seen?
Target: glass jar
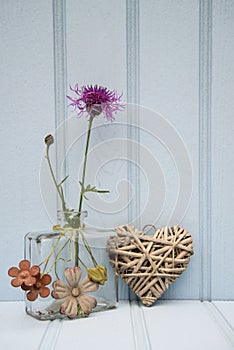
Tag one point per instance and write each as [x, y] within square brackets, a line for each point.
[69, 244]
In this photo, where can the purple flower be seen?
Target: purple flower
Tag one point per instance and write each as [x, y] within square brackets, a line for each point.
[94, 100]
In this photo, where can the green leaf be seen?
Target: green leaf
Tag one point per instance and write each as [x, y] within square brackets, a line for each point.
[94, 189]
[60, 184]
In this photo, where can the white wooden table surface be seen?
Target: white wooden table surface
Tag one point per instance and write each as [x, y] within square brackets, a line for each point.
[167, 325]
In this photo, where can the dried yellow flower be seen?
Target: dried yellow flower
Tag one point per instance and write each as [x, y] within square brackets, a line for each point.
[98, 274]
[56, 228]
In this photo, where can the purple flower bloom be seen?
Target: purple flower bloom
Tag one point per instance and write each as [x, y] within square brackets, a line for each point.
[94, 100]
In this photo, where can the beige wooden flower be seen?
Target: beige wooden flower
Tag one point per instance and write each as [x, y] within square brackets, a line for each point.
[73, 293]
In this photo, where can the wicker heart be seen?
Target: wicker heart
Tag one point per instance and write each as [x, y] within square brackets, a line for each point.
[149, 264]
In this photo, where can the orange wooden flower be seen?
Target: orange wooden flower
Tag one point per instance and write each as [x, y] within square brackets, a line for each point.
[39, 288]
[24, 274]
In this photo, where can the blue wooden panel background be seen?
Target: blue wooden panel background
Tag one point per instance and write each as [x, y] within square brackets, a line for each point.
[167, 162]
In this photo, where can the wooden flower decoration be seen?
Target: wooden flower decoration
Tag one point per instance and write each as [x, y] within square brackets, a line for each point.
[72, 295]
[29, 279]
[39, 288]
[24, 274]
[98, 274]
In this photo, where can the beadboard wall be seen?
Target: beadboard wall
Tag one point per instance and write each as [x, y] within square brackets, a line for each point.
[167, 161]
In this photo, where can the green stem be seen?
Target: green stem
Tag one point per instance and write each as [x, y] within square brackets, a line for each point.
[88, 249]
[81, 190]
[76, 248]
[54, 179]
[85, 163]
[57, 258]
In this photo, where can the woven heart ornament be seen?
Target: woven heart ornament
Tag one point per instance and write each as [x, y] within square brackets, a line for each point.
[150, 263]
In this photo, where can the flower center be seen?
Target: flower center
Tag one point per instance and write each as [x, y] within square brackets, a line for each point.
[24, 274]
[75, 292]
[37, 285]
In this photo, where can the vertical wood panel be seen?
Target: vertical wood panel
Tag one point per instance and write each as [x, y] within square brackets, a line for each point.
[16, 326]
[115, 324]
[132, 34]
[169, 71]
[158, 53]
[133, 131]
[222, 129]
[202, 326]
[27, 115]
[60, 79]
[96, 54]
[205, 50]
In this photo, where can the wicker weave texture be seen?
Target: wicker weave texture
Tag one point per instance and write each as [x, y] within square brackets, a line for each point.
[150, 263]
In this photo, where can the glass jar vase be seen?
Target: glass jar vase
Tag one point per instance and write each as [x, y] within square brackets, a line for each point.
[70, 244]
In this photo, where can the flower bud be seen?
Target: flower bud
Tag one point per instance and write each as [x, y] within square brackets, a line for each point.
[98, 274]
[49, 140]
[56, 228]
[94, 110]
